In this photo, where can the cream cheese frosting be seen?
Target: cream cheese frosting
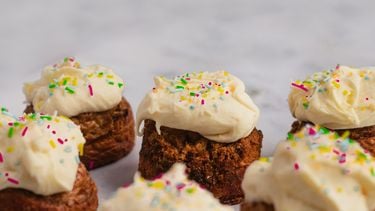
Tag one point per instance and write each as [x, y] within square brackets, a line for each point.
[314, 169]
[71, 89]
[172, 191]
[213, 104]
[39, 153]
[342, 98]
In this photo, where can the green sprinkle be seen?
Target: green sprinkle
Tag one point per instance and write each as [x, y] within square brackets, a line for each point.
[52, 86]
[290, 136]
[120, 85]
[180, 87]
[4, 110]
[305, 105]
[190, 190]
[183, 81]
[16, 124]
[46, 117]
[65, 81]
[66, 59]
[100, 74]
[111, 83]
[372, 172]
[10, 132]
[323, 130]
[69, 90]
[192, 94]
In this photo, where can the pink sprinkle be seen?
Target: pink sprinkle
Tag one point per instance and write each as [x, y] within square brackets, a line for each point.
[312, 132]
[202, 101]
[296, 166]
[24, 131]
[91, 164]
[90, 90]
[14, 181]
[302, 87]
[342, 158]
[336, 152]
[71, 59]
[1, 158]
[180, 186]
[337, 66]
[60, 141]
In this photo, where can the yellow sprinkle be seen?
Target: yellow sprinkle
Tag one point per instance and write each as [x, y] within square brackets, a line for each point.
[75, 82]
[313, 157]
[57, 120]
[339, 189]
[226, 73]
[346, 134]
[264, 159]
[293, 144]
[80, 148]
[345, 92]
[324, 149]
[335, 84]
[182, 98]
[158, 185]
[10, 149]
[77, 65]
[52, 143]
[90, 75]
[109, 76]
[1, 124]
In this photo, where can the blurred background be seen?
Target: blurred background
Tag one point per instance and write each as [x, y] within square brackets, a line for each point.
[267, 43]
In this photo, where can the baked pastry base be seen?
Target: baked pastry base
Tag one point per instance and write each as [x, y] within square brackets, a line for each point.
[109, 134]
[83, 197]
[256, 206]
[219, 167]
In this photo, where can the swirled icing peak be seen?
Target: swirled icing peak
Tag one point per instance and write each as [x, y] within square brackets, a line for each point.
[69, 89]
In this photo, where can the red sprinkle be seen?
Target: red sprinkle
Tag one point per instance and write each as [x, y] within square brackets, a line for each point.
[202, 101]
[1, 158]
[302, 87]
[14, 181]
[312, 132]
[24, 131]
[296, 166]
[60, 141]
[90, 90]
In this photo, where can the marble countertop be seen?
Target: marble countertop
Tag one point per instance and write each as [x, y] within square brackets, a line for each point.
[265, 43]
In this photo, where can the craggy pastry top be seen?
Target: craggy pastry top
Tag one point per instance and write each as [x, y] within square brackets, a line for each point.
[213, 104]
[172, 191]
[39, 153]
[71, 89]
[313, 170]
[342, 98]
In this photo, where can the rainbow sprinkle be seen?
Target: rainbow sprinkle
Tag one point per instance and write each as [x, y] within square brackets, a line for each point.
[194, 89]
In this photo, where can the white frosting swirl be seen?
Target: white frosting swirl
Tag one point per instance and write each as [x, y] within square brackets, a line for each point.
[173, 191]
[315, 169]
[39, 153]
[213, 104]
[71, 90]
[342, 98]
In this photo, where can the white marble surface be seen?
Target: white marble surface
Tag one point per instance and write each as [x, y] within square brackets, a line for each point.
[266, 43]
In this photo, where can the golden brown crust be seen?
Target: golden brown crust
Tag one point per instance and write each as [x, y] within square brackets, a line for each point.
[257, 206]
[109, 134]
[83, 197]
[218, 167]
[365, 135]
